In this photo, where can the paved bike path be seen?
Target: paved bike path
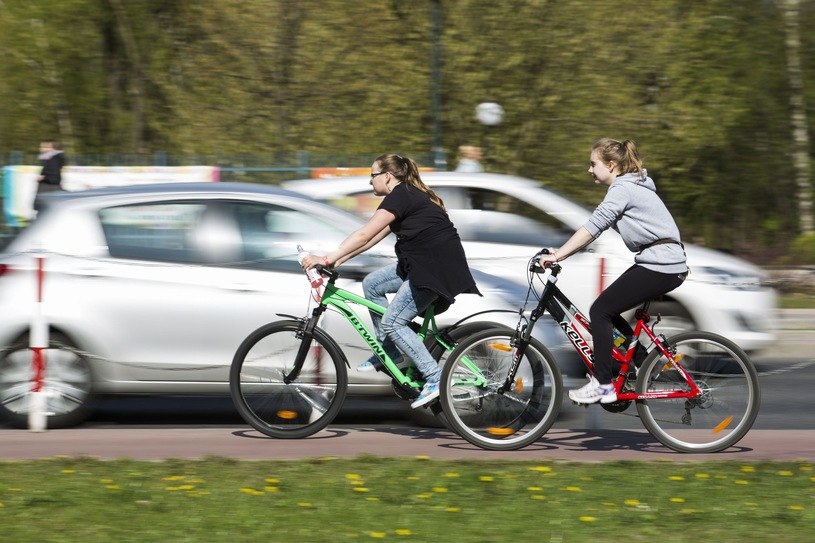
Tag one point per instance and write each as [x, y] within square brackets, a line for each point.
[346, 441]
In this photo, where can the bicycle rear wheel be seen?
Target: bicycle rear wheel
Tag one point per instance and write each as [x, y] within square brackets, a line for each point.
[487, 417]
[301, 407]
[726, 407]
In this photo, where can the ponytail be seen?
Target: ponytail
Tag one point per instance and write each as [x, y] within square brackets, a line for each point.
[406, 171]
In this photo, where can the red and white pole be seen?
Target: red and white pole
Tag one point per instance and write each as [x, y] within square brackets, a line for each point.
[38, 342]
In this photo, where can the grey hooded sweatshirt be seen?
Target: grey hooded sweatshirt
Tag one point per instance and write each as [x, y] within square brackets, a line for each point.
[633, 208]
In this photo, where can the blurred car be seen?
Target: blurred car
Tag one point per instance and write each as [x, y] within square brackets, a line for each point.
[503, 220]
[150, 289]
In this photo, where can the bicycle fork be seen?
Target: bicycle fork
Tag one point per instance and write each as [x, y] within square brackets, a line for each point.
[305, 334]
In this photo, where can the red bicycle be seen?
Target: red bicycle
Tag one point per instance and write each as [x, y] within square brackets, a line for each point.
[695, 392]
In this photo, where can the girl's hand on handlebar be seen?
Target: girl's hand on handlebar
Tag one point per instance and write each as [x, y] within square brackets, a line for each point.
[312, 261]
[547, 258]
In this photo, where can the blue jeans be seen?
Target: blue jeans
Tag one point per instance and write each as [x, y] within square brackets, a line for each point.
[393, 328]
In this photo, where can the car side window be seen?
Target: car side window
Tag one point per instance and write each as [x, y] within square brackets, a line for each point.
[161, 232]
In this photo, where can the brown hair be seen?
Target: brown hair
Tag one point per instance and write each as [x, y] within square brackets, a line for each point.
[623, 153]
[406, 171]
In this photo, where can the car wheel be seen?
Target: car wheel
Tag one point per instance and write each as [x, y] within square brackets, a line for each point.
[68, 383]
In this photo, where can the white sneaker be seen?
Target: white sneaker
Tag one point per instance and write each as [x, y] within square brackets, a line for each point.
[593, 392]
[429, 393]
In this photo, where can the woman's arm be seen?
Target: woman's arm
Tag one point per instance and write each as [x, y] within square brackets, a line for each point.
[579, 239]
[377, 227]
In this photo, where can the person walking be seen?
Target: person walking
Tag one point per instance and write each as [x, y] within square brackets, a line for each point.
[431, 265]
[632, 208]
[53, 160]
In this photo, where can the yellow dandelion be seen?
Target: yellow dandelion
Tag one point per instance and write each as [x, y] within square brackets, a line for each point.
[439, 489]
[171, 488]
[424, 496]
[357, 482]
[251, 491]
[451, 474]
[542, 469]
[688, 511]
[196, 481]
[812, 478]
[796, 507]
[271, 488]
[452, 509]
[173, 478]
[748, 469]
[360, 489]
[676, 478]
[631, 503]
[741, 482]
[703, 476]
[572, 489]
[413, 478]
[304, 504]
[538, 497]
[534, 488]
[106, 481]
[272, 480]
[422, 457]
[785, 473]
[586, 518]
[352, 476]
[68, 471]
[403, 531]
[1, 505]
[586, 478]
[678, 500]
[750, 504]
[113, 488]
[377, 535]
[486, 478]
[372, 499]
[806, 468]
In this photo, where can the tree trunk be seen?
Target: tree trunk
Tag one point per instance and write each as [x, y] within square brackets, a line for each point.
[800, 133]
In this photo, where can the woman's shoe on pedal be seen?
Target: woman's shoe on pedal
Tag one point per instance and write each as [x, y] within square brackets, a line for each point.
[593, 392]
[429, 393]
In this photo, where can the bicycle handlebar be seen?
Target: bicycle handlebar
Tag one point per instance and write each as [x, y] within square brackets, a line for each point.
[535, 267]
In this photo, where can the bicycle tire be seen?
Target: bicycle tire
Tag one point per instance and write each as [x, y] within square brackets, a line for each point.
[726, 408]
[490, 419]
[287, 410]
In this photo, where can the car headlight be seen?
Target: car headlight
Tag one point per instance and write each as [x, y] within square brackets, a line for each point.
[727, 277]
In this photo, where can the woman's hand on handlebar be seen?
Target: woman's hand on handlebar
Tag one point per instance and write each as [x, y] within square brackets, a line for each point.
[547, 258]
[312, 261]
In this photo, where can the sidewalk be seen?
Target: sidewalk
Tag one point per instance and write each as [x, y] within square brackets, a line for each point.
[796, 334]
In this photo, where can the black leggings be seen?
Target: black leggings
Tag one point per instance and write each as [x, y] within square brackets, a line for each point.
[633, 287]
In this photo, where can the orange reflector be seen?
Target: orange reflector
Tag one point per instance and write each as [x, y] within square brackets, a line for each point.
[500, 431]
[722, 425]
[288, 415]
[519, 386]
[500, 347]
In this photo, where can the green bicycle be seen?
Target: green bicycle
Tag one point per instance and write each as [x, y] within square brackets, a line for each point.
[289, 378]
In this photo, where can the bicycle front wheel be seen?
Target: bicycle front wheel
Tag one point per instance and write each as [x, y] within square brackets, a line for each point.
[724, 410]
[491, 418]
[288, 407]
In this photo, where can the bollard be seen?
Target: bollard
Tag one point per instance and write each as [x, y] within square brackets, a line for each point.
[38, 342]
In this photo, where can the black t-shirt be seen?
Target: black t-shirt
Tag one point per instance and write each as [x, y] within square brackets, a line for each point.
[428, 247]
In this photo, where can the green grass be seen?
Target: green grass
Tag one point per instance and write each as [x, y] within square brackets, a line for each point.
[335, 500]
[796, 300]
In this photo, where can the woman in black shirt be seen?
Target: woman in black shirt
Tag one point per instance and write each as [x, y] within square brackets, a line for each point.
[431, 267]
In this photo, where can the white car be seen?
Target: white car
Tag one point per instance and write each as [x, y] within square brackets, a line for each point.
[504, 220]
[150, 289]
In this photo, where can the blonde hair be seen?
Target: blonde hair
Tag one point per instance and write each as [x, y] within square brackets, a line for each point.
[623, 153]
[406, 171]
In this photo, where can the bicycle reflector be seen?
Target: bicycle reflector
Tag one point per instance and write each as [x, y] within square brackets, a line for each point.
[496, 431]
[722, 425]
[500, 347]
[286, 414]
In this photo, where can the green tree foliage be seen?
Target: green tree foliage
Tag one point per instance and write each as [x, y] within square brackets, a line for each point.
[700, 85]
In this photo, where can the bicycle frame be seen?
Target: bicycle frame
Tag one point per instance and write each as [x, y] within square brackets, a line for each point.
[340, 299]
[571, 320]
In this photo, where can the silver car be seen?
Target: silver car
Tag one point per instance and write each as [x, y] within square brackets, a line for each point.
[150, 289]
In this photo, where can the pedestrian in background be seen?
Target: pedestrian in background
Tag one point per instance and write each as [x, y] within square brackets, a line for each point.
[469, 159]
[52, 159]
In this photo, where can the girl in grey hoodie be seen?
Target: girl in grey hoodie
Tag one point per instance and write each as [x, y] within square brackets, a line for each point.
[632, 208]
